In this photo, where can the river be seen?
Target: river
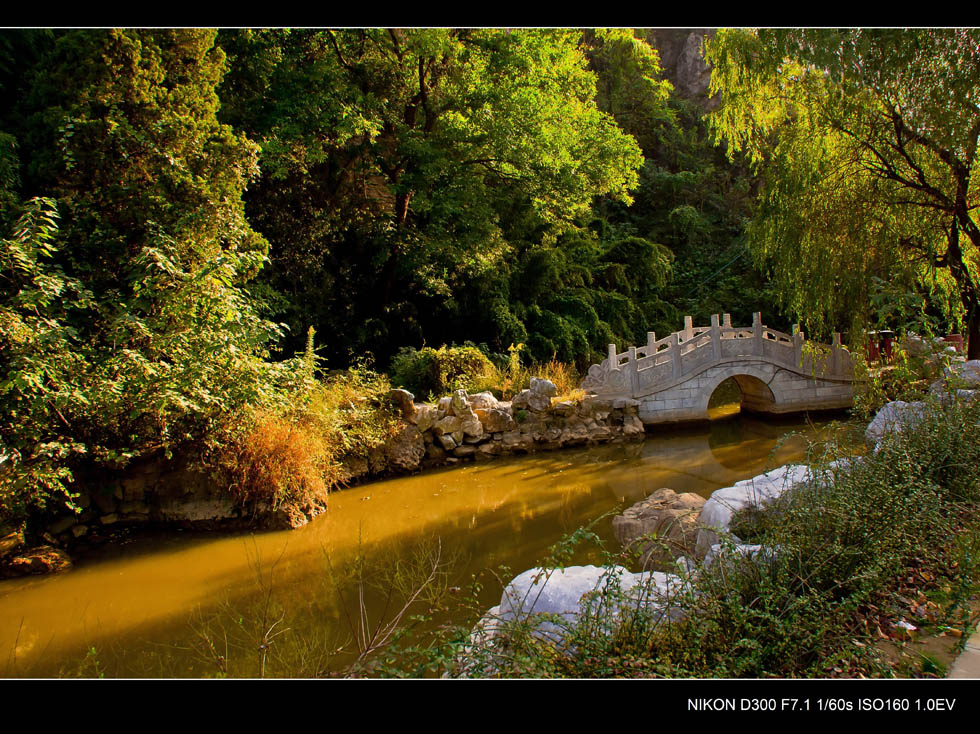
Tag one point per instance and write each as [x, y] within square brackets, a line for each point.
[278, 603]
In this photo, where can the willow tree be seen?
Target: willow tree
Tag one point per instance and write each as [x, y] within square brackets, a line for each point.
[866, 141]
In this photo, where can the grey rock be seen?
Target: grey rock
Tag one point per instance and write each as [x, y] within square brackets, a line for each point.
[716, 515]
[569, 592]
[459, 406]
[546, 388]
[471, 426]
[446, 441]
[520, 401]
[893, 418]
[671, 517]
[404, 400]
[496, 421]
[405, 449]
[449, 424]
[482, 401]
[425, 416]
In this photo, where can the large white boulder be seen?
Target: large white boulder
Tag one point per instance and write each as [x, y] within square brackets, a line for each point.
[964, 374]
[716, 515]
[893, 418]
[567, 593]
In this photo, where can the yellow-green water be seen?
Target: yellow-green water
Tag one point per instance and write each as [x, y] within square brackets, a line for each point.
[197, 606]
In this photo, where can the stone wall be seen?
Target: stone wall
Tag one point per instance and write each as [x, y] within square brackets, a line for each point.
[465, 427]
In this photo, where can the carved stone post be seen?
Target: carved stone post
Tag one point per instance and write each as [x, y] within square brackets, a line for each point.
[715, 337]
[634, 377]
[797, 346]
[688, 328]
[675, 354]
[612, 356]
[757, 332]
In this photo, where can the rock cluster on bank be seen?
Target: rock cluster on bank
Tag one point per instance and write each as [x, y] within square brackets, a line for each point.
[463, 427]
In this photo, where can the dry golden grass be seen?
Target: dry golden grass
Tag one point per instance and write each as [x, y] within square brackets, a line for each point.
[282, 462]
[506, 382]
[291, 459]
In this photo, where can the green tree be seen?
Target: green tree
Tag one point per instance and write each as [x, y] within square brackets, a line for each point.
[391, 156]
[866, 142]
[126, 328]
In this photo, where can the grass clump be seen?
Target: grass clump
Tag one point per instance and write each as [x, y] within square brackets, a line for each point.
[291, 458]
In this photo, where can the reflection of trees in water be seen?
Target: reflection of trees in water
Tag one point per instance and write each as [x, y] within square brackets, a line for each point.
[726, 393]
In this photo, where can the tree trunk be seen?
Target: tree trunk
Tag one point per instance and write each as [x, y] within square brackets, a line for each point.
[973, 334]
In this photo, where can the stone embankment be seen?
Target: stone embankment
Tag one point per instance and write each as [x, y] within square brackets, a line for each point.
[464, 427]
[461, 427]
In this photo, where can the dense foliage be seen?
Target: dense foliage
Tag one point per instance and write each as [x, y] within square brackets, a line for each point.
[126, 327]
[168, 196]
[866, 142]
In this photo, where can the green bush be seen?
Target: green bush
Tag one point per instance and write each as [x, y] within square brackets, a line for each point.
[433, 372]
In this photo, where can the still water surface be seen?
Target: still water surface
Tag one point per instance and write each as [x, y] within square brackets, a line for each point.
[197, 606]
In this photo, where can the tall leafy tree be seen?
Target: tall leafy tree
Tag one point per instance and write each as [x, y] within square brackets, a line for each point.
[390, 155]
[867, 141]
[122, 134]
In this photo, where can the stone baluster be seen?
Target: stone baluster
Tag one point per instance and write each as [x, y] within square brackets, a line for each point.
[675, 354]
[612, 356]
[835, 354]
[651, 342]
[726, 320]
[757, 332]
[797, 346]
[715, 337]
[688, 328]
[634, 377]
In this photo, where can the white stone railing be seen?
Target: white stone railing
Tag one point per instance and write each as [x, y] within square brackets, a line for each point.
[686, 352]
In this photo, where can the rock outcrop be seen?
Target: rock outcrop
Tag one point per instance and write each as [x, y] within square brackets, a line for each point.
[757, 492]
[38, 560]
[666, 523]
[549, 602]
[478, 426]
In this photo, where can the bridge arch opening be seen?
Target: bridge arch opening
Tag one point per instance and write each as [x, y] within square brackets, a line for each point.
[740, 393]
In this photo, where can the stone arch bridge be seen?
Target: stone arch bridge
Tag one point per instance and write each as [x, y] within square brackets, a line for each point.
[673, 378]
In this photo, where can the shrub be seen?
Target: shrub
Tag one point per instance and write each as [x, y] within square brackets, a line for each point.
[291, 458]
[440, 371]
[283, 462]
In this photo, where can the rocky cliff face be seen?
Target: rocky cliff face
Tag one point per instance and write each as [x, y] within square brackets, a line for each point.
[682, 58]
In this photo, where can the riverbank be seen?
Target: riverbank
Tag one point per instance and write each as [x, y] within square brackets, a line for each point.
[159, 492]
[842, 570]
[143, 605]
